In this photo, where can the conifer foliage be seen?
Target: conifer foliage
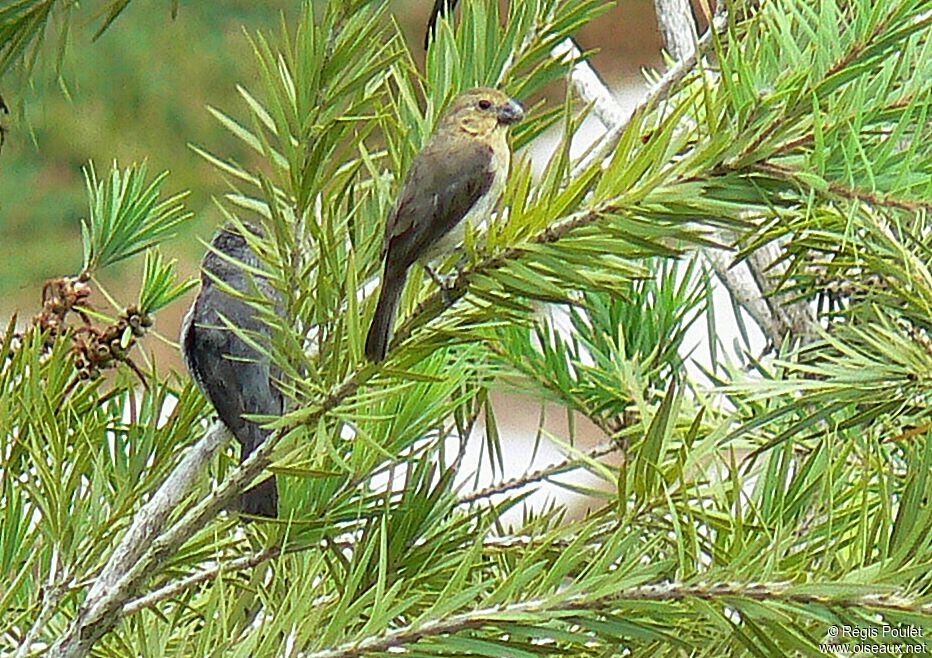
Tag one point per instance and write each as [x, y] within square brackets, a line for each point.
[756, 508]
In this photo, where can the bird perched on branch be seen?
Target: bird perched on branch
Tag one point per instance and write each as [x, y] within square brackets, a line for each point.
[237, 378]
[456, 178]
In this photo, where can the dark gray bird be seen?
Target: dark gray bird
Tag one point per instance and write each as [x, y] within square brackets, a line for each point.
[440, 7]
[235, 377]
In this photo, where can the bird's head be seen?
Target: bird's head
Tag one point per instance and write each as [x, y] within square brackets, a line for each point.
[482, 110]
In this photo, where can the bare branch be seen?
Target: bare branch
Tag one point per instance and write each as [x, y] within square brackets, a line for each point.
[52, 595]
[589, 85]
[741, 284]
[678, 27]
[657, 93]
[795, 318]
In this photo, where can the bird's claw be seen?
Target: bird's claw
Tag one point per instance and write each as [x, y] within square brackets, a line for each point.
[445, 283]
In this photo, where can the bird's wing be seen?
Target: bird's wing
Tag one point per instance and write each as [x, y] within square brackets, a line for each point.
[446, 180]
[234, 376]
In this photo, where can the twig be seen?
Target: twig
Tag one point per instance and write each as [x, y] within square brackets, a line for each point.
[844, 121]
[175, 588]
[569, 464]
[609, 427]
[750, 288]
[846, 60]
[850, 193]
[112, 587]
[441, 300]
[671, 591]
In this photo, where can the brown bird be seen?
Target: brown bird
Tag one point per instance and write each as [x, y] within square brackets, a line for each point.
[456, 178]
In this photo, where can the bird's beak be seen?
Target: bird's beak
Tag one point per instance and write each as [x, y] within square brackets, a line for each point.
[510, 112]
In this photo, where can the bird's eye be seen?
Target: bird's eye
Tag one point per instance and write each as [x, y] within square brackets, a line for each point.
[485, 104]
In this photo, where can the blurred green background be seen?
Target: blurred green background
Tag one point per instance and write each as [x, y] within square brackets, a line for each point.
[139, 92]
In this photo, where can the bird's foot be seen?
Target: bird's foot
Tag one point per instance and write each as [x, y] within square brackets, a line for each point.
[445, 283]
[438, 279]
[462, 261]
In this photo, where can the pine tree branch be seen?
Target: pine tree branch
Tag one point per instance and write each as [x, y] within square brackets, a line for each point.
[755, 294]
[176, 588]
[750, 287]
[851, 193]
[248, 562]
[570, 464]
[844, 121]
[777, 593]
[436, 303]
[848, 59]
[679, 33]
[111, 588]
[608, 427]
[129, 570]
[133, 563]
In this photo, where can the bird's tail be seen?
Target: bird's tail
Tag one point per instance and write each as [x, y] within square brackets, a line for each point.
[380, 332]
[262, 499]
